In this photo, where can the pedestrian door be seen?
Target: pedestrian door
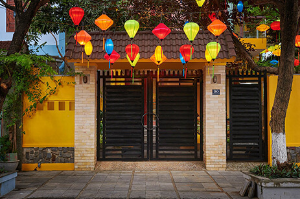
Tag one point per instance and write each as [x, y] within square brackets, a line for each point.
[147, 119]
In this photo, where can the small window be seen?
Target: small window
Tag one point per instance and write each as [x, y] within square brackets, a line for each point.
[40, 107]
[61, 106]
[50, 106]
[71, 106]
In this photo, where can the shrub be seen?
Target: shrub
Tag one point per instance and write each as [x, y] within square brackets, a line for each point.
[285, 170]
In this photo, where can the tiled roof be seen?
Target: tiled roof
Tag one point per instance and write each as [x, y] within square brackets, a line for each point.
[4, 45]
[147, 42]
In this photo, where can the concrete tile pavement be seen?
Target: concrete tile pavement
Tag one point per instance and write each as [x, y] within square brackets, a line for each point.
[128, 184]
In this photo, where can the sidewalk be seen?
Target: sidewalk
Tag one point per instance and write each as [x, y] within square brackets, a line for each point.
[127, 184]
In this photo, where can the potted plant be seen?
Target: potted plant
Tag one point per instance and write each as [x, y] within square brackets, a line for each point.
[8, 157]
[279, 181]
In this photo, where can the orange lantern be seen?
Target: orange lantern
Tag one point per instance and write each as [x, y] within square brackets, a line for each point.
[104, 22]
[82, 38]
[217, 27]
[262, 27]
[297, 43]
[158, 63]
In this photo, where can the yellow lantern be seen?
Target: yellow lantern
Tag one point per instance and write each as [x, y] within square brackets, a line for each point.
[200, 2]
[213, 49]
[207, 56]
[158, 54]
[133, 64]
[88, 48]
[191, 30]
[262, 27]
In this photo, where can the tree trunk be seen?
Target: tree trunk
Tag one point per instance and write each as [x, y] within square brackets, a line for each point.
[289, 22]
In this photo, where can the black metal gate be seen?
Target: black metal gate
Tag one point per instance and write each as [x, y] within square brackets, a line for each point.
[139, 126]
[247, 114]
[176, 133]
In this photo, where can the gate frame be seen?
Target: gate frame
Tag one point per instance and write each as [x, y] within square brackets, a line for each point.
[149, 76]
[251, 74]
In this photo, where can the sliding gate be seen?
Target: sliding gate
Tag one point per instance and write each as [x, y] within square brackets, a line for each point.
[149, 119]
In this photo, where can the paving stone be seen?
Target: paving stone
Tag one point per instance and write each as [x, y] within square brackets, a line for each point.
[152, 187]
[138, 194]
[88, 194]
[71, 193]
[17, 194]
[93, 186]
[119, 194]
[168, 194]
[138, 187]
[103, 194]
[194, 195]
[77, 186]
[153, 194]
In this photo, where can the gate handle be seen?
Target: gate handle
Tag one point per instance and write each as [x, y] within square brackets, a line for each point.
[142, 121]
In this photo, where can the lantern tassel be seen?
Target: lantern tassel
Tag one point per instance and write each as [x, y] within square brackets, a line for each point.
[131, 50]
[111, 74]
[133, 76]
[81, 56]
[109, 63]
[88, 65]
[131, 71]
[158, 74]
[191, 52]
[103, 42]
[76, 37]
[213, 71]
[185, 72]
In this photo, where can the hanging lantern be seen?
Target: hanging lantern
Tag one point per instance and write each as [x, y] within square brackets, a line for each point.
[186, 52]
[296, 62]
[132, 50]
[158, 63]
[88, 48]
[262, 27]
[200, 2]
[109, 47]
[76, 15]
[240, 6]
[217, 27]
[297, 41]
[208, 59]
[112, 58]
[275, 25]
[136, 59]
[274, 62]
[277, 52]
[213, 49]
[82, 37]
[183, 62]
[158, 53]
[104, 22]
[131, 27]
[212, 16]
[161, 31]
[191, 30]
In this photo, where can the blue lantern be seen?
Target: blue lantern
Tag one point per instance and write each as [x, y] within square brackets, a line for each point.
[109, 46]
[274, 62]
[183, 62]
[240, 6]
[185, 23]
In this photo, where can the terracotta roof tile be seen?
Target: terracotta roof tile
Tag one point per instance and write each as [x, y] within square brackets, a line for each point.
[147, 42]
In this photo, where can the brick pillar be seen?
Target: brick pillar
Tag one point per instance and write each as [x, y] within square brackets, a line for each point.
[85, 155]
[214, 120]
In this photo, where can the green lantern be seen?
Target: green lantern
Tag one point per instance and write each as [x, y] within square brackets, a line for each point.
[213, 48]
[191, 30]
[131, 27]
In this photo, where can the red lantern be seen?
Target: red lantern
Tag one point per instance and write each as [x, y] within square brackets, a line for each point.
[296, 62]
[212, 16]
[132, 50]
[275, 25]
[297, 41]
[161, 31]
[186, 52]
[76, 15]
[114, 56]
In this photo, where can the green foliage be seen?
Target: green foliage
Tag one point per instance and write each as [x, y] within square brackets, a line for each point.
[6, 147]
[27, 71]
[280, 171]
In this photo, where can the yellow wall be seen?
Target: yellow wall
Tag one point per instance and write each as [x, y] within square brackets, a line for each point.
[52, 128]
[293, 113]
[260, 43]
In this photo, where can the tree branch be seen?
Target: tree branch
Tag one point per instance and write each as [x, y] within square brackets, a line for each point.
[62, 57]
[6, 5]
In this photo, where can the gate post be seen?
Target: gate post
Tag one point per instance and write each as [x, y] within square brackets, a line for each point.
[214, 119]
[85, 118]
